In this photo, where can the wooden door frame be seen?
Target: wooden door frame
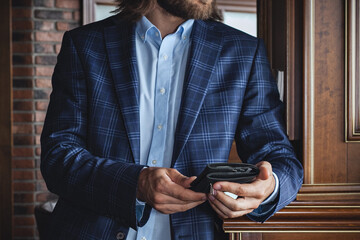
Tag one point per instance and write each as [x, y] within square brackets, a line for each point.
[6, 196]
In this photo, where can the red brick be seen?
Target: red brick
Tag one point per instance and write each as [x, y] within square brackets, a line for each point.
[37, 151]
[24, 232]
[22, 105]
[23, 152]
[23, 175]
[40, 116]
[24, 221]
[25, 163]
[39, 175]
[57, 48]
[37, 139]
[44, 48]
[42, 197]
[46, 59]
[62, 26]
[23, 197]
[44, 3]
[20, 140]
[23, 94]
[23, 71]
[68, 15]
[23, 117]
[77, 16]
[43, 83]
[49, 36]
[41, 106]
[44, 25]
[22, 25]
[21, 13]
[22, 209]
[75, 4]
[38, 129]
[22, 36]
[20, 47]
[22, 128]
[24, 186]
[22, 59]
[44, 71]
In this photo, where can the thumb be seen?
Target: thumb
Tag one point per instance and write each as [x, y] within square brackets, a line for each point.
[265, 170]
[180, 179]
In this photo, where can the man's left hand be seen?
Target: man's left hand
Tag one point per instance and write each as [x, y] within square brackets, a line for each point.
[251, 195]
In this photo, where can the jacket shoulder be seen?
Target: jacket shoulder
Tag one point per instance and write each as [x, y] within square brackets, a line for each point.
[231, 34]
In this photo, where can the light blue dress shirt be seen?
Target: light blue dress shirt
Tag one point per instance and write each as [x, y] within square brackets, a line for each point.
[161, 67]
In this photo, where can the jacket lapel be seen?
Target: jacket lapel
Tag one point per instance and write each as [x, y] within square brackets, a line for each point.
[122, 59]
[205, 50]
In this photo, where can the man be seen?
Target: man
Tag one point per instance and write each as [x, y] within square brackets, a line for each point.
[141, 103]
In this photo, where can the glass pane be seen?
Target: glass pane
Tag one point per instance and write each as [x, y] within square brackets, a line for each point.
[245, 22]
[103, 11]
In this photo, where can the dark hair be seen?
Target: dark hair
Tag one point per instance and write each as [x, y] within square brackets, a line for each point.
[133, 10]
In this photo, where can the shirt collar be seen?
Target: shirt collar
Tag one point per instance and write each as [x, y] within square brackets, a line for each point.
[144, 28]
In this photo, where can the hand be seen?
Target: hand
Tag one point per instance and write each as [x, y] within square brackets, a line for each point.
[165, 189]
[251, 195]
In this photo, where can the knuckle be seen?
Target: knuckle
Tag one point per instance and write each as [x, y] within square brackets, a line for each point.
[232, 215]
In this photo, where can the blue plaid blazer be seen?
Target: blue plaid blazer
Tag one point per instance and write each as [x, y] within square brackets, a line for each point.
[91, 137]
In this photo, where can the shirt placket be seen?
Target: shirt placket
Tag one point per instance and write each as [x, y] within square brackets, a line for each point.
[162, 87]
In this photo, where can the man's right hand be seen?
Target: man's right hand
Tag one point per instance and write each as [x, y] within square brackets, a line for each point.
[166, 190]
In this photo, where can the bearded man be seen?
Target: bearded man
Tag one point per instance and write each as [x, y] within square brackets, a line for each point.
[141, 103]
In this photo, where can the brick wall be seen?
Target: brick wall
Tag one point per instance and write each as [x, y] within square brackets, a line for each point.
[38, 26]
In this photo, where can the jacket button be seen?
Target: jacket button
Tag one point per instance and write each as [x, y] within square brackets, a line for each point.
[120, 236]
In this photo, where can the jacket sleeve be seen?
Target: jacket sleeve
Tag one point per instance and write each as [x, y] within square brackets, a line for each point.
[261, 135]
[105, 186]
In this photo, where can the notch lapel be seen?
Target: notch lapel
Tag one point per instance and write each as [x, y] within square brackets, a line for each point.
[205, 51]
[120, 45]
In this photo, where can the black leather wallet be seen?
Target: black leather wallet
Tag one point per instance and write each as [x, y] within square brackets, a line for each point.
[230, 172]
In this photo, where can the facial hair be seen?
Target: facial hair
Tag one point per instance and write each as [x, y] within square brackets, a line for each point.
[188, 9]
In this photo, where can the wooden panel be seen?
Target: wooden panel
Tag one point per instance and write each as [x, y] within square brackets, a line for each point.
[330, 155]
[353, 168]
[353, 70]
[302, 218]
[5, 121]
[311, 236]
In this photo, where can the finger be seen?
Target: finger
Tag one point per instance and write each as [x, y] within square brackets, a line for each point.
[224, 211]
[177, 188]
[180, 179]
[160, 198]
[174, 208]
[179, 192]
[217, 210]
[240, 204]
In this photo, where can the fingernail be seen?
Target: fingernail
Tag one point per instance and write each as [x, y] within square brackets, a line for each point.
[211, 197]
[214, 192]
[204, 198]
[217, 186]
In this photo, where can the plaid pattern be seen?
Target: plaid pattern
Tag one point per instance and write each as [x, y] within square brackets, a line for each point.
[90, 141]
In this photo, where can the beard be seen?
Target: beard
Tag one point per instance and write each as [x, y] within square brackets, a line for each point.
[189, 9]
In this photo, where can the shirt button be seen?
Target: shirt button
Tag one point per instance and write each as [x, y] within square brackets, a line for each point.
[159, 127]
[154, 162]
[162, 91]
[184, 37]
[143, 238]
[120, 236]
[165, 57]
[156, 34]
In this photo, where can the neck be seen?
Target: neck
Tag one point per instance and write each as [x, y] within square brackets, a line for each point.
[164, 21]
